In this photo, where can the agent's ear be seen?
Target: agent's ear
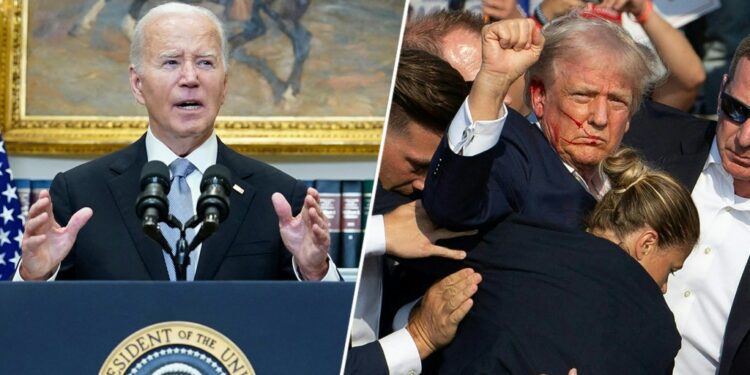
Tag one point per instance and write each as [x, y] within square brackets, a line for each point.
[646, 243]
[136, 85]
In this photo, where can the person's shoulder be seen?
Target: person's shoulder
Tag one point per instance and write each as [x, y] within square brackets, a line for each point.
[518, 128]
[653, 115]
[119, 160]
[657, 129]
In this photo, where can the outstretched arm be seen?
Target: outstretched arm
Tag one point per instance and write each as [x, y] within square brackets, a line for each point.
[509, 48]
[409, 233]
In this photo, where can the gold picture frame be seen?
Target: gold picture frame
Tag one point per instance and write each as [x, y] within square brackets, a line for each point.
[95, 135]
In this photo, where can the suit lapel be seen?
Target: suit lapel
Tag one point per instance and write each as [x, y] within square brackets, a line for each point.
[738, 324]
[127, 169]
[215, 247]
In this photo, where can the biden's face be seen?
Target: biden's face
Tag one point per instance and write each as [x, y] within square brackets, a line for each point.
[182, 81]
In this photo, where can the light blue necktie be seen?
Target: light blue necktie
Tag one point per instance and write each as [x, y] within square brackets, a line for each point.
[181, 206]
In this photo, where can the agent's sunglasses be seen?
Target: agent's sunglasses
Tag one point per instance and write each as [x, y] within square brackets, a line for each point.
[735, 109]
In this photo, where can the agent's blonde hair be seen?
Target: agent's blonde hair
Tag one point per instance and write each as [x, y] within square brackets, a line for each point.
[643, 196]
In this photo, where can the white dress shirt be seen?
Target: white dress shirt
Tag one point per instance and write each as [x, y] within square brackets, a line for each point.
[468, 137]
[401, 354]
[701, 294]
[202, 157]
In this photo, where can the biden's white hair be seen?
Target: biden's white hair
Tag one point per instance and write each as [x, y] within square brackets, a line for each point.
[173, 8]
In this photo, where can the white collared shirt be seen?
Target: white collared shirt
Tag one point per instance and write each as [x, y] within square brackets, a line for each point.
[701, 294]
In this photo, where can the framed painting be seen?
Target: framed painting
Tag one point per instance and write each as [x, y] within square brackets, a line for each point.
[305, 77]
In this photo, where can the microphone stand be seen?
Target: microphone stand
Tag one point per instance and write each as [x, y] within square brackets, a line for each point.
[181, 258]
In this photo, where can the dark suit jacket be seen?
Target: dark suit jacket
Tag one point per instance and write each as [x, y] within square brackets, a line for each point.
[386, 201]
[672, 140]
[113, 246]
[367, 359]
[554, 298]
[522, 174]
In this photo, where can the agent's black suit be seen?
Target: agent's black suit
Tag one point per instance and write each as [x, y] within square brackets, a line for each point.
[554, 298]
[112, 245]
[672, 140]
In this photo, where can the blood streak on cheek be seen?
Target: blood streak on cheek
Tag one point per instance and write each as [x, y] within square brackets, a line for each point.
[579, 124]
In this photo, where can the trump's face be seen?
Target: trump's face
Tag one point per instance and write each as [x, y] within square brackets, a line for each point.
[183, 82]
[585, 110]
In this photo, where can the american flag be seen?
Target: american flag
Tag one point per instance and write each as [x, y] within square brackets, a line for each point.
[11, 219]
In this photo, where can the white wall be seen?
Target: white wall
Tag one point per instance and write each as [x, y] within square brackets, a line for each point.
[301, 167]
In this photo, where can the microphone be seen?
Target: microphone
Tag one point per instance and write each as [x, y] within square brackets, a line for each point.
[213, 204]
[152, 205]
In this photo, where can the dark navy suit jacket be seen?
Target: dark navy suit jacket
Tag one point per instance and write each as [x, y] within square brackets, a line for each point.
[367, 359]
[112, 245]
[554, 298]
[522, 174]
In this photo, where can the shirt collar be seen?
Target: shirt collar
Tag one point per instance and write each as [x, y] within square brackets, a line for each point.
[202, 157]
[714, 157]
[713, 162]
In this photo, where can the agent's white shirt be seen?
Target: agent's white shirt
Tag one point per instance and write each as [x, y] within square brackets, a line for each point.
[701, 294]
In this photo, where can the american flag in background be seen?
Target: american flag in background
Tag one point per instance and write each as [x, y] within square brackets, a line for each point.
[11, 219]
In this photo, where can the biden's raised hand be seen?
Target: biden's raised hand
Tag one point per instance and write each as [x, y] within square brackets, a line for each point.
[306, 235]
[45, 242]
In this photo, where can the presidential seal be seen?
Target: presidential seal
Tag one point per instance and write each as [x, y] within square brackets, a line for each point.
[177, 348]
